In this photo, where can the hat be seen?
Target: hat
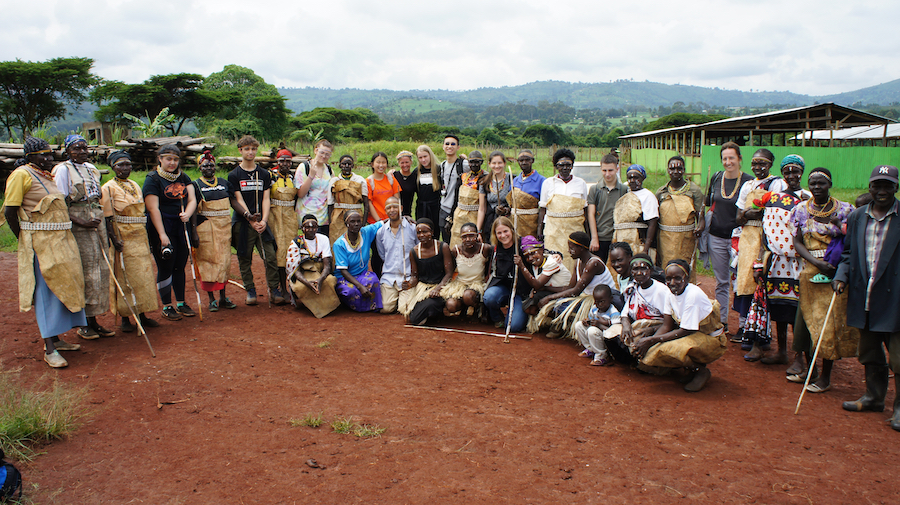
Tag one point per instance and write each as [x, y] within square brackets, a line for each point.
[284, 152]
[476, 155]
[529, 242]
[884, 172]
[117, 157]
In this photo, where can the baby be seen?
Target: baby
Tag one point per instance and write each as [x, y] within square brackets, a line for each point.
[603, 322]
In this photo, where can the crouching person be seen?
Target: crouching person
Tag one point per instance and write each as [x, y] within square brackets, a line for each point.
[603, 322]
[691, 335]
[308, 263]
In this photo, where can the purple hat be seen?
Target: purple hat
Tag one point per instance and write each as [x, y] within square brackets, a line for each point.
[884, 172]
[529, 242]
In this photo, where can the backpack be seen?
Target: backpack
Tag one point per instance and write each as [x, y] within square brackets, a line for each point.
[10, 481]
[327, 166]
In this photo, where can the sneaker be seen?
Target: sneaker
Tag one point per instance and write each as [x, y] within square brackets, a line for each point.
[55, 360]
[251, 296]
[170, 313]
[277, 297]
[87, 333]
[127, 326]
[185, 310]
[227, 303]
[62, 345]
[103, 332]
[146, 322]
[214, 306]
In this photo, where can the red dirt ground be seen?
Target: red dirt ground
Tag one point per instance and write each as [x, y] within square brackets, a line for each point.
[469, 420]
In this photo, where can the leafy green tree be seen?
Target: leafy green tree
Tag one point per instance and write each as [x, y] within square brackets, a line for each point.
[182, 94]
[490, 136]
[419, 132]
[32, 93]
[248, 102]
[378, 132]
[680, 119]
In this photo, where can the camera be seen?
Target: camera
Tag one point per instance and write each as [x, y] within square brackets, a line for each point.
[167, 252]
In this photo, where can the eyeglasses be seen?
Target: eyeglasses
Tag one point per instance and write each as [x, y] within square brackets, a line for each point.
[564, 165]
[450, 143]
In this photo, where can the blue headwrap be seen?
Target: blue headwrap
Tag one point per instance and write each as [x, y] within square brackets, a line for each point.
[639, 168]
[793, 159]
[72, 139]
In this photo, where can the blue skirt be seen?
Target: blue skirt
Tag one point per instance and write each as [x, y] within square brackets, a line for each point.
[53, 318]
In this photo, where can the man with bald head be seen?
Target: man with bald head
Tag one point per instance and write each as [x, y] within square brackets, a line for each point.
[394, 242]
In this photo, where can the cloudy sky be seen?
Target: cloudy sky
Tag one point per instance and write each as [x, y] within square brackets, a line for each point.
[822, 47]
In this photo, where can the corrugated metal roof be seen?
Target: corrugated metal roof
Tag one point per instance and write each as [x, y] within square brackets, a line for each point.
[872, 132]
[785, 120]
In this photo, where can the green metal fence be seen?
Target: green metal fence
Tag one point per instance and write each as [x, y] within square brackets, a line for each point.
[849, 166]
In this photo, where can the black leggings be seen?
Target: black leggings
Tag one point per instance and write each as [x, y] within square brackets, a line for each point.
[170, 272]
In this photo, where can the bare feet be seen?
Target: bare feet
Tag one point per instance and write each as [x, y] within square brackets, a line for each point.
[755, 353]
[701, 377]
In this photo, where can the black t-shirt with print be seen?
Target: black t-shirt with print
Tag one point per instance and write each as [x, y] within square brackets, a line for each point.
[172, 195]
[252, 185]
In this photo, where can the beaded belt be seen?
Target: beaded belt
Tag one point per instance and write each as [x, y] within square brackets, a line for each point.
[818, 253]
[467, 208]
[525, 212]
[358, 206]
[32, 226]
[684, 228]
[282, 203]
[218, 213]
[629, 226]
[756, 223]
[130, 219]
[566, 214]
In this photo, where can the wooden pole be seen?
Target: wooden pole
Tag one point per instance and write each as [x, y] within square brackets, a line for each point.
[468, 332]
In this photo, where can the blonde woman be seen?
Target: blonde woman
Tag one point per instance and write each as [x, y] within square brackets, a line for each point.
[428, 204]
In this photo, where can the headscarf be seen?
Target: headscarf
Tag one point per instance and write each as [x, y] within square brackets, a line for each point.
[639, 168]
[529, 242]
[35, 145]
[169, 149]
[793, 159]
[73, 139]
[206, 156]
[284, 152]
[116, 156]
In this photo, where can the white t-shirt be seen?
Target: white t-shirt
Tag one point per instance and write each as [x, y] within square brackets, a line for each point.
[318, 247]
[553, 267]
[647, 303]
[690, 307]
[649, 203]
[576, 187]
[353, 178]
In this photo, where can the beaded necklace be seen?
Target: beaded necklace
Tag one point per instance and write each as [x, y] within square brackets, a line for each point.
[128, 186]
[45, 173]
[210, 184]
[737, 186]
[680, 191]
[346, 177]
[168, 175]
[822, 212]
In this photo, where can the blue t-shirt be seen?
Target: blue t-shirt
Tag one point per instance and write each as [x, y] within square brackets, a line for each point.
[530, 185]
[355, 261]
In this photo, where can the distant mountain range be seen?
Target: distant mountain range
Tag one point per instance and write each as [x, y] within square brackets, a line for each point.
[616, 94]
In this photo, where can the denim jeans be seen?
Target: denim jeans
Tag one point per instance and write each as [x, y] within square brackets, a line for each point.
[498, 296]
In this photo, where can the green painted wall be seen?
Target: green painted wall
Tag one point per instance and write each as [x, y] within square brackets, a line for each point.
[656, 160]
[850, 166]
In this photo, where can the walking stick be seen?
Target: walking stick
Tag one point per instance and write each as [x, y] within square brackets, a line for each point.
[469, 332]
[262, 241]
[512, 295]
[816, 352]
[112, 272]
[187, 237]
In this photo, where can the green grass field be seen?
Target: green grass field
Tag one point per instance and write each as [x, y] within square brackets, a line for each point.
[416, 106]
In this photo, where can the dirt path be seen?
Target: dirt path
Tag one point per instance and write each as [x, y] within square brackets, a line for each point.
[469, 420]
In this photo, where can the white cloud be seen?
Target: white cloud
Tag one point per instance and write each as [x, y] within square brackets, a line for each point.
[821, 47]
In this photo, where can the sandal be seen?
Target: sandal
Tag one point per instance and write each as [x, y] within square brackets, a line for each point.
[87, 333]
[601, 362]
[62, 345]
[586, 354]
[815, 388]
[103, 332]
[214, 306]
[820, 278]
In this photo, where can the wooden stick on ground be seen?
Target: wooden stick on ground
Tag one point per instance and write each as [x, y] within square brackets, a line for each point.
[470, 332]
[812, 362]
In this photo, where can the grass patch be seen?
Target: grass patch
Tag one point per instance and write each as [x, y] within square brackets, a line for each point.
[368, 430]
[311, 420]
[34, 413]
[325, 344]
[343, 425]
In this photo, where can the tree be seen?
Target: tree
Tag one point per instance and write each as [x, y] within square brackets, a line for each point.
[248, 102]
[32, 93]
[180, 93]
[418, 132]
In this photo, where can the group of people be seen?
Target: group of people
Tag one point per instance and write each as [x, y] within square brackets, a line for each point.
[610, 267]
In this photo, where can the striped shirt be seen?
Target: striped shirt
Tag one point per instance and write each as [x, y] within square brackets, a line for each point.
[876, 229]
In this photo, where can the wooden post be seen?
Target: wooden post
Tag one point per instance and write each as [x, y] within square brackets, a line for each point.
[884, 135]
